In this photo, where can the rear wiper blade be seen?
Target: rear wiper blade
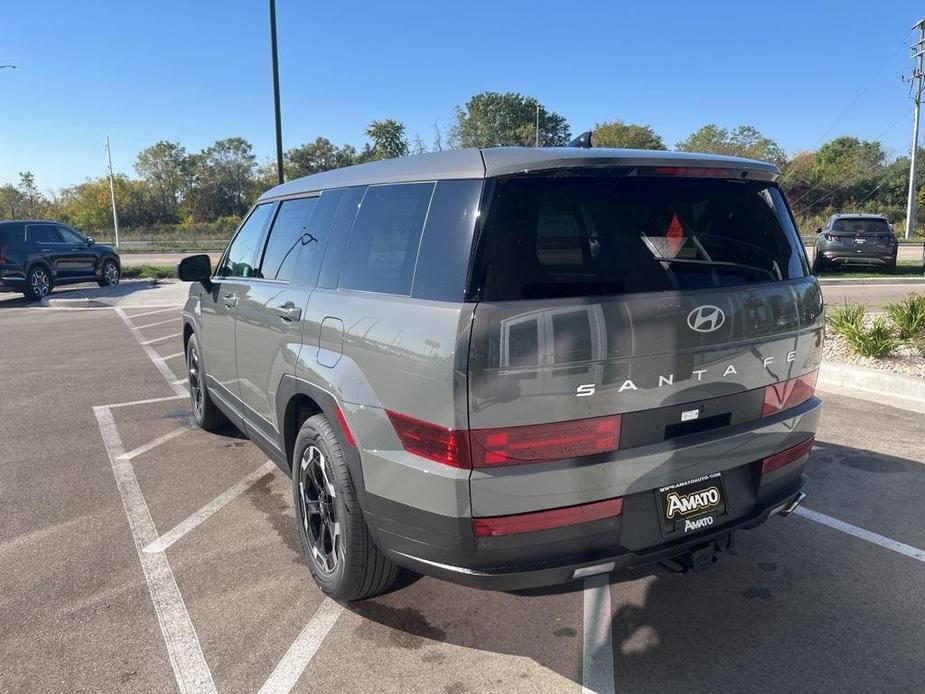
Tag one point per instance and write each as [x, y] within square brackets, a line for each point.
[719, 263]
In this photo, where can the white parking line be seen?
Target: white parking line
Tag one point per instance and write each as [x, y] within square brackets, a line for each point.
[173, 356]
[302, 650]
[161, 366]
[155, 443]
[223, 499]
[159, 339]
[189, 665]
[597, 676]
[151, 325]
[885, 542]
[148, 401]
[151, 313]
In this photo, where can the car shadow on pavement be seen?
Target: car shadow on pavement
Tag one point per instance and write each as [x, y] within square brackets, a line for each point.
[795, 605]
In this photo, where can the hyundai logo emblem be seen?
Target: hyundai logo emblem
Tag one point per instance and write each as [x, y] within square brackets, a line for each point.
[706, 319]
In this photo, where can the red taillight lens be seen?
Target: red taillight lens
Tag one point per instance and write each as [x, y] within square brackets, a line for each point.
[828, 237]
[545, 520]
[779, 460]
[2, 257]
[787, 394]
[692, 171]
[431, 441]
[538, 443]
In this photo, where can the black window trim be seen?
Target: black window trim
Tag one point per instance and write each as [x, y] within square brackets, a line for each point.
[268, 231]
[414, 271]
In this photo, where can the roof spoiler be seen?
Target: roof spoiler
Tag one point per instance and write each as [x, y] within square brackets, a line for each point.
[583, 141]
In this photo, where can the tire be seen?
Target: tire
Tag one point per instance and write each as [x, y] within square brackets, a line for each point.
[891, 268]
[38, 282]
[205, 412]
[110, 274]
[818, 265]
[341, 554]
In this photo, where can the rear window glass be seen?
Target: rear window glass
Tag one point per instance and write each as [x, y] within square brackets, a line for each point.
[859, 226]
[588, 235]
[11, 233]
[384, 242]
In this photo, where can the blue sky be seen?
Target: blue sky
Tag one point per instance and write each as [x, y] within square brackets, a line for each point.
[197, 71]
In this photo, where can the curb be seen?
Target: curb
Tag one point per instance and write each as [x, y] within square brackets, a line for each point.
[94, 298]
[870, 280]
[894, 388]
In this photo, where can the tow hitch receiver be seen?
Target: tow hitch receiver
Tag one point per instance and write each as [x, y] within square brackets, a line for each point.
[699, 558]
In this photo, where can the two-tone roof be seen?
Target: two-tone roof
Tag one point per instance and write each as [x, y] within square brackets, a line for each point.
[501, 161]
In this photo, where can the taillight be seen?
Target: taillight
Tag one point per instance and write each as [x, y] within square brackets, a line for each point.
[537, 443]
[2, 257]
[431, 441]
[545, 520]
[786, 394]
[779, 460]
[828, 237]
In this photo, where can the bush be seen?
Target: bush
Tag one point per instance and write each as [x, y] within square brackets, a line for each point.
[876, 341]
[908, 316]
[150, 272]
[847, 317]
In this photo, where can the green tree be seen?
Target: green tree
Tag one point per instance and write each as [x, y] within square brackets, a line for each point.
[12, 203]
[33, 201]
[388, 139]
[166, 168]
[225, 178]
[743, 141]
[491, 119]
[315, 157]
[626, 135]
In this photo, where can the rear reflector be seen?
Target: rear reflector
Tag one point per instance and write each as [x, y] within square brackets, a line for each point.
[787, 394]
[779, 460]
[348, 435]
[431, 441]
[537, 443]
[545, 520]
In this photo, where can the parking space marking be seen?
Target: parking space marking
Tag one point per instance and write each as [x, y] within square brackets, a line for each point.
[159, 339]
[173, 356]
[189, 665]
[302, 650]
[151, 313]
[885, 542]
[134, 453]
[161, 365]
[147, 401]
[223, 499]
[151, 325]
[597, 676]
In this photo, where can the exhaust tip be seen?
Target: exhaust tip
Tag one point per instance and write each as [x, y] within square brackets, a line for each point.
[791, 505]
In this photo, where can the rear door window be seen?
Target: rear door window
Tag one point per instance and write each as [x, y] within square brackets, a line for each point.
[239, 260]
[43, 233]
[383, 245]
[287, 237]
[599, 234]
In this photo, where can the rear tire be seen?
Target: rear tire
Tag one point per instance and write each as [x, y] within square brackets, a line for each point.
[38, 283]
[205, 412]
[341, 554]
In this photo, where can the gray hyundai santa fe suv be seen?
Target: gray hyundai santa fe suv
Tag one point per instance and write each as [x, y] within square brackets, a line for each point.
[515, 367]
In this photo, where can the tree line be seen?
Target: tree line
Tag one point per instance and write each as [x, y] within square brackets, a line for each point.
[207, 192]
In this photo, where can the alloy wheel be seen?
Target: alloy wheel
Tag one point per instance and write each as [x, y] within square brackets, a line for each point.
[39, 281]
[111, 273]
[317, 497]
[195, 383]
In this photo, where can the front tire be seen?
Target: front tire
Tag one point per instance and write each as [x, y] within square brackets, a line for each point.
[110, 274]
[38, 283]
[206, 414]
[341, 554]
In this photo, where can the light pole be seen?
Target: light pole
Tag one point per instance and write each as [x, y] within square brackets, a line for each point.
[279, 127]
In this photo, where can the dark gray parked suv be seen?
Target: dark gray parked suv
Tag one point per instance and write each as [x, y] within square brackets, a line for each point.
[516, 367]
[855, 239]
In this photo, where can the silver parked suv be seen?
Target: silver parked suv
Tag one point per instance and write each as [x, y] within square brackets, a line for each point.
[516, 367]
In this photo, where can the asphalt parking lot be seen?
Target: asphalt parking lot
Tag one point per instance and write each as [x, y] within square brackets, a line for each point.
[140, 554]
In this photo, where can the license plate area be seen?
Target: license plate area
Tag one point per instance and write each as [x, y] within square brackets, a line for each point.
[691, 506]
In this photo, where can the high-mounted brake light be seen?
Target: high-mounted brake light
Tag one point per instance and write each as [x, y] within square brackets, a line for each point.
[791, 455]
[431, 441]
[692, 171]
[537, 443]
[787, 394]
[545, 520]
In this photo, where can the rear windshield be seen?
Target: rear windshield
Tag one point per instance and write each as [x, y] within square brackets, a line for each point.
[859, 226]
[549, 237]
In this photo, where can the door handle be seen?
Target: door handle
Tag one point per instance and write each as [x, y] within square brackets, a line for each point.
[230, 300]
[46, 250]
[289, 312]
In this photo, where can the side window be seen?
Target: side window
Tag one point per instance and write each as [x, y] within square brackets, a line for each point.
[383, 245]
[308, 265]
[71, 236]
[43, 233]
[287, 237]
[239, 258]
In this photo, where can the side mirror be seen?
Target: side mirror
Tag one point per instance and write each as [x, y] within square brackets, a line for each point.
[818, 230]
[90, 240]
[195, 268]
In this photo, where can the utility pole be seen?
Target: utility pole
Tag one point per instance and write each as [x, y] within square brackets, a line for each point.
[537, 140]
[918, 50]
[112, 193]
[279, 126]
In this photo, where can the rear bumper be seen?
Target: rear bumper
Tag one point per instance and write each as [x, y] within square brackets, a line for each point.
[853, 256]
[446, 547]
